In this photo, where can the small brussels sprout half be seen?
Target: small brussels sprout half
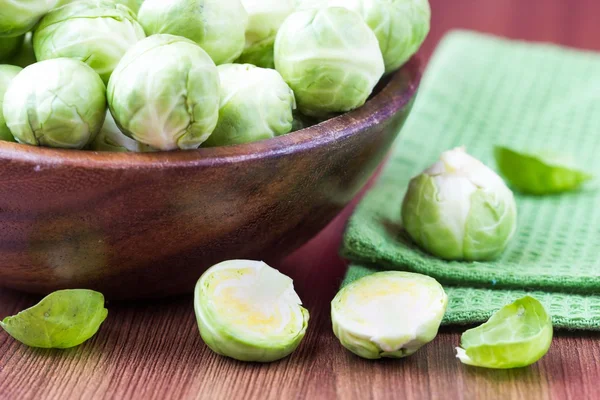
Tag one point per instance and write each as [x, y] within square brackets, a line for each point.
[330, 58]
[401, 26]
[25, 56]
[165, 93]
[388, 314]
[264, 19]
[56, 103]
[18, 16]
[7, 74]
[249, 311]
[459, 209]
[97, 32]
[256, 104]
[516, 336]
[9, 46]
[539, 174]
[218, 26]
[112, 139]
[63, 319]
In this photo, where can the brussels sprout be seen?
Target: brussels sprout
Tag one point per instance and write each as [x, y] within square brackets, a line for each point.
[112, 139]
[401, 26]
[249, 311]
[25, 55]
[459, 209]
[18, 16]
[165, 93]
[63, 319]
[9, 46]
[7, 74]
[330, 58]
[218, 26]
[388, 314]
[55, 103]
[539, 174]
[256, 104]
[516, 336]
[97, 32]
[265, 18]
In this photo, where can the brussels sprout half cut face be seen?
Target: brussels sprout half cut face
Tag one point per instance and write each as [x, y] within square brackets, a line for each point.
[249, 311]
[459, 209]
[388, 314]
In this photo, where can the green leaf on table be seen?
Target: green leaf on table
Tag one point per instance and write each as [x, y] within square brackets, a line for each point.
[517, 335]
[538, 174]
[62, 319]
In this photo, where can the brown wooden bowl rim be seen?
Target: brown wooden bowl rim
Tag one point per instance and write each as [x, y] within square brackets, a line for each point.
[377, 109]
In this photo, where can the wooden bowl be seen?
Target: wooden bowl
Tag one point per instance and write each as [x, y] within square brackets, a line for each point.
[148, 225]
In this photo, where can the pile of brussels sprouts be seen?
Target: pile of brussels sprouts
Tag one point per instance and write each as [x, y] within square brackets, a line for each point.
[180, 74]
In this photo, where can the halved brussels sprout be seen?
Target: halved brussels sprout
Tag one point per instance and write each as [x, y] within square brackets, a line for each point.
[539, 174]
[19, 16]
[517, 335]
[256, 104]
[264, 19]
[62, 319]
[388, 314]
[330, 58]
[9, 46]
[7, 74]
[112, 139]
[401, 26]
[165, 93]
[218, 26]
[459, 209]
[97, 32]
[56, 103]
[249, 311]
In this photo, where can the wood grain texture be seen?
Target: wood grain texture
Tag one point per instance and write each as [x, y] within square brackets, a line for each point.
[153, 351]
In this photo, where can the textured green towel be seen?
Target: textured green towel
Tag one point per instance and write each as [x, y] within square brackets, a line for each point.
[479, 91]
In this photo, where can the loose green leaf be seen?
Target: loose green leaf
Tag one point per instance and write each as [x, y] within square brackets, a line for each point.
[517, 335]
[63, 319]
[538, 174]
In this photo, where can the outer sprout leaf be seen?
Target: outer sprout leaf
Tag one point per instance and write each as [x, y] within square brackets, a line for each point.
[388, 314]
[517, 335]
[63, 319]
[538, 174]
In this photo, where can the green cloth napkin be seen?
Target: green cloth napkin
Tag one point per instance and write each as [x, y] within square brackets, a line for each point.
[480, 91]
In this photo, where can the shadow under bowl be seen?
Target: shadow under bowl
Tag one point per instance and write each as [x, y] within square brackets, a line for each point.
[147, 225]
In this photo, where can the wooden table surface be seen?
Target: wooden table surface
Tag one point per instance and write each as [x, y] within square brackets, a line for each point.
[153, 350]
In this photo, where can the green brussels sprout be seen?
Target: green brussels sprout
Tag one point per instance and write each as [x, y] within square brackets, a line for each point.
[459, 209]
[9, 46]
[7, 74]
[264, 19]
[25, 56]
[516, 336]
[256, 104]
[330, 58]
[56, 103]
[97, 32]
[62, 320]
[218, 26]
[388, 314]
[401, 26]
[249, 311]
[112, 139]
[539, 174]
[17, 17]
[165, 93]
